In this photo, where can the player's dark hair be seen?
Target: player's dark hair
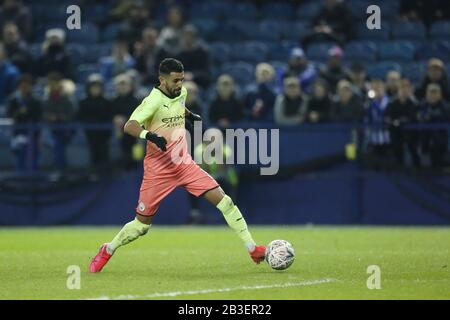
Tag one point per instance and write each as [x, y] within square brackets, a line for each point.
[169, 65]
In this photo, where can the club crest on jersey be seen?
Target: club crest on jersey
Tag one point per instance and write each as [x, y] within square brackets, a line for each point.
[182, 101]
[141, 206]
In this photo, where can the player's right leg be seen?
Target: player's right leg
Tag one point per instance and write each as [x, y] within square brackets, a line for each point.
[130, 232]
[151, 194]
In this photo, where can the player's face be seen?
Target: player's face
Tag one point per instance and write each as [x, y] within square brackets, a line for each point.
[174, 82]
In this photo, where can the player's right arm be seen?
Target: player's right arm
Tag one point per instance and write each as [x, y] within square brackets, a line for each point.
[134, 128]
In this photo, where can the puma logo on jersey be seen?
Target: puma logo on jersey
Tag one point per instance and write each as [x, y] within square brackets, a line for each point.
[165, 106]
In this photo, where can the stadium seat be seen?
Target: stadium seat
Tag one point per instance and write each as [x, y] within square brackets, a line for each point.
[397, 51]
[271, 30]
[409, 31]
[77, 53]
[84, 70]
[88, 34]
[95, 12]
[220, 51]
[230, 32]
[440, 30]
[251, 51]
[281, 50]
[242, 72]
[245, 11]
[308, 10]
[97, 51]
[206, 27]
[295, 30]
[414, 72]
[282, 11]
[380, 69]
[364, 51]
[435, 49]
[110, 32]
[212, 10]
[375, 34]
[319, 51]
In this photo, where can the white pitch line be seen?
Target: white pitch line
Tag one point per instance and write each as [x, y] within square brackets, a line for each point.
[204, 291]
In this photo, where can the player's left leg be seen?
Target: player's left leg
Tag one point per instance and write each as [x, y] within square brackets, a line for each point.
[235, 221]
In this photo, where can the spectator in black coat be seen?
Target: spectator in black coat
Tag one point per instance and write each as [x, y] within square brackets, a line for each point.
[334, 22]
[226, 108]
[434, 110]
[95, 108]
[348, 107]
[260, 96]
[435, 74]
[318, 107]
[58, 110]
[55, 57]
[25, 109]
[123, 106]
[195, 57]
[289, 106]
[145, 52]
[17, 49]
[400, 111]
[334, 71]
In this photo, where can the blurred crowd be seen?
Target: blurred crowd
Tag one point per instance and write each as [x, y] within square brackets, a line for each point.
[300, 92]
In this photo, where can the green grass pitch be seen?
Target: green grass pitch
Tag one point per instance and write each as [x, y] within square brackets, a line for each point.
[211, 263]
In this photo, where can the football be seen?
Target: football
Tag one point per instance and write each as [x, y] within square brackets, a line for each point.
[280, 254]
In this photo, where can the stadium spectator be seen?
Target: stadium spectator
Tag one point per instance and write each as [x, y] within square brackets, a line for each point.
[137, 19]
[319, 105]
[348, 107]
[400, 111]
[260, 96]
[334, 22]
[9, 74]
[123, 105]
[193, 102]
[392, 83]
[58, 110]
[333, 71]
[434, 110]
[226, 108]
[16, 12]
[298, 66]
[16, 48]
[95, 108]
[118, 62]
[145, 52]
[25, 109]
[357, 76]
[289, 106]
[424, 10]
[378, 138]
[435, 74]
[54, 57]
[195, 57]
[171, 34]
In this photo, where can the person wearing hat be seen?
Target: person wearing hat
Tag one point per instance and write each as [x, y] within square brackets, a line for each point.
[96, 109]
[55, 57]
[333, 71]
[435, 74]
[298, 66]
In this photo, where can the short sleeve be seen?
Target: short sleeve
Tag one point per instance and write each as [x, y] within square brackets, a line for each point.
[144, 111]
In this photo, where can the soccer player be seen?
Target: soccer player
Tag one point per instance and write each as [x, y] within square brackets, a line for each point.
[167, 164]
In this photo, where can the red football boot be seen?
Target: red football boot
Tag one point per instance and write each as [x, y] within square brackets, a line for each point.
[99, 261]
[259, 254]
